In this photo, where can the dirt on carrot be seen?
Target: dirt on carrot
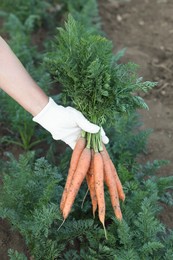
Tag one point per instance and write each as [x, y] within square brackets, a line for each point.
[99, 186]
[96, 167]
[111, 184]
[91, 184]
[79, 147]
[77, 179]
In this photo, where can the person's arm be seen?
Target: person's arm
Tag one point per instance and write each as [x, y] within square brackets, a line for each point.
[17, 83]
[64, 123]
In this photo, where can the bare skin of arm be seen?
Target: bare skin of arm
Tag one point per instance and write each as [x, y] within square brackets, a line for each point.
[63, 123]
[17, 83]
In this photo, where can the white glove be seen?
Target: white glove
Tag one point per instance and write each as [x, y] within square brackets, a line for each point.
[66, 123]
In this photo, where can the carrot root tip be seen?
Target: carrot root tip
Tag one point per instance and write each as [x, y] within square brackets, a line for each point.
[105, 231]
[61, 225]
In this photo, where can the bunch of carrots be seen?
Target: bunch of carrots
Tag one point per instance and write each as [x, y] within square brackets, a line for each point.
[100, 89]
[93, 164]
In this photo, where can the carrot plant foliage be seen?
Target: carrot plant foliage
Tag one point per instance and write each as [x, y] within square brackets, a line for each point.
[92, 80]
[31, 193]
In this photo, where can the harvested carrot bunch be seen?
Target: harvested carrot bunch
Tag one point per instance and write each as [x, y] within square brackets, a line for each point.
[95, 84]
[95, 165]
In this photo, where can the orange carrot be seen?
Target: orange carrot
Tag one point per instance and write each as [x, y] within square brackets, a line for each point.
[99, 187]
[121, 193]
[91, 184]
[115, 175]
[111, 184]
[79, 147]
[78, 177]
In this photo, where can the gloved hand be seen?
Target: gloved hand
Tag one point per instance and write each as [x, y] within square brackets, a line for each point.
[66, 123]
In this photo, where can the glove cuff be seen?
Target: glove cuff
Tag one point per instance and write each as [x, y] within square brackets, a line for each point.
[46, 117]
[45, 110]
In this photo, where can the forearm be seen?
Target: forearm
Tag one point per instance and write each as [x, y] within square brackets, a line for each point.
[17, 83]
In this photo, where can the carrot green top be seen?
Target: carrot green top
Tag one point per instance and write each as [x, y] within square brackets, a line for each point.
[92, 79]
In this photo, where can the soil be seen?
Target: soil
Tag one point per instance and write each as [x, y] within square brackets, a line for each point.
[145, 28]
[10, 239]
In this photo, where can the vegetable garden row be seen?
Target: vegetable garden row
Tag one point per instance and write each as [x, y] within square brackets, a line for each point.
[62, 45]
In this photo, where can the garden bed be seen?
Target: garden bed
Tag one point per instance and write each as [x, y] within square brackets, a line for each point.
[145, 29]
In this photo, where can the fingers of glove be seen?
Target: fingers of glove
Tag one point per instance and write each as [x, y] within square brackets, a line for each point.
[83, 123]
[65, 133]
[105, 139]
[72, 138]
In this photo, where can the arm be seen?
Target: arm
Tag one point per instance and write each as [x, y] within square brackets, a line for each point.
[17, 83]
[64, 123]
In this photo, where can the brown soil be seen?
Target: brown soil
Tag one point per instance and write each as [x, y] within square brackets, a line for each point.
[10, 239]
[145, 28]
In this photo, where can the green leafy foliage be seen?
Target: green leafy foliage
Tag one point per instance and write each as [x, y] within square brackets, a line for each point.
[127, 142]
[20, 121]
[86, 12]
[31, 193]
[97, 86]
[33, 12]
[14, 255]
